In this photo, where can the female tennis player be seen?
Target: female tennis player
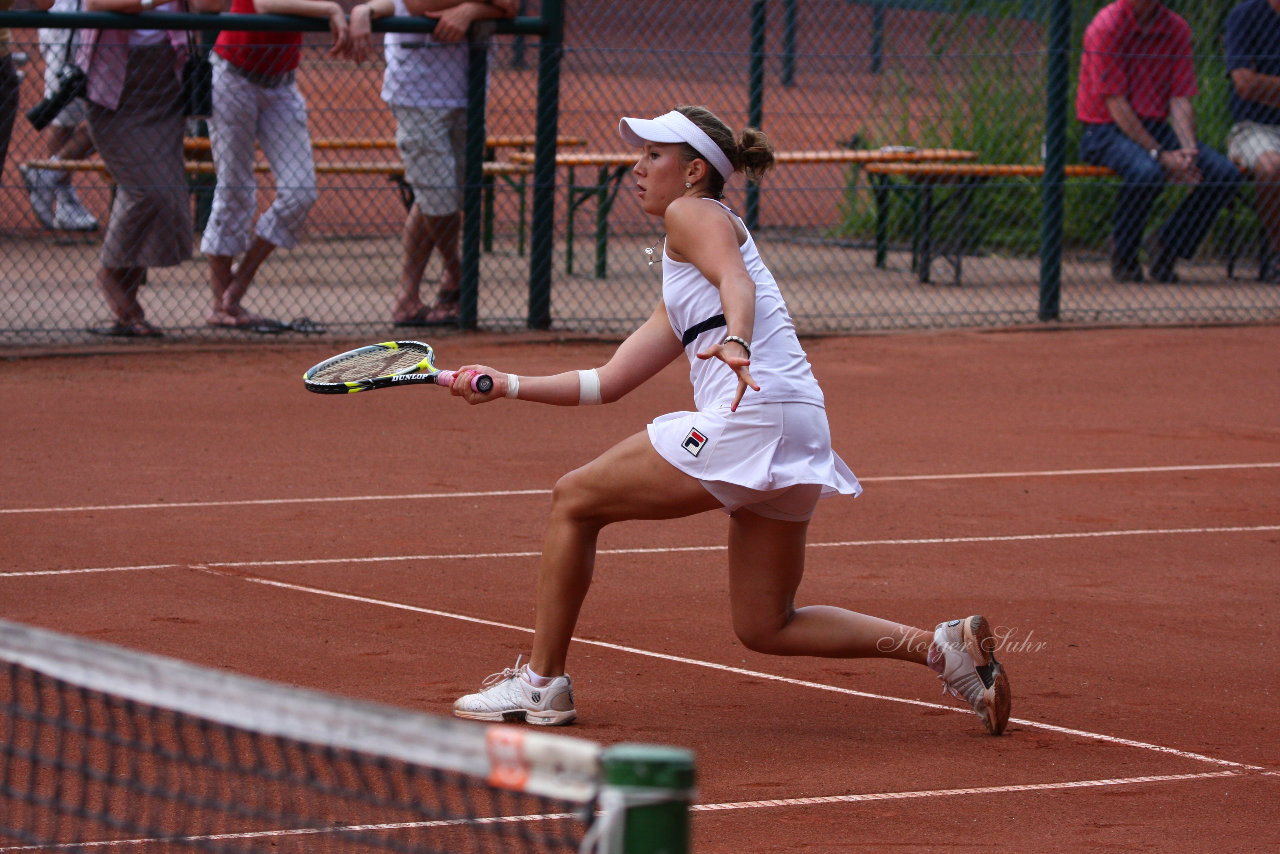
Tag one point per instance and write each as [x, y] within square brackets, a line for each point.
[758, 447]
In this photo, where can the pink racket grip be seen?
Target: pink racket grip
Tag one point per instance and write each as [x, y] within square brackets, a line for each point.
[482, 383]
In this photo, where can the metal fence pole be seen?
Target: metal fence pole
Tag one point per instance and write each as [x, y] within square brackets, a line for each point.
[473, 172]
[755, 97]
[1055, 160]
[877, 38]
[788, 75]
[542, 231]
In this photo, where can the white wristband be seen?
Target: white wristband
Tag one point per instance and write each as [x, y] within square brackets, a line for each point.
[588, 387]
[513, 386]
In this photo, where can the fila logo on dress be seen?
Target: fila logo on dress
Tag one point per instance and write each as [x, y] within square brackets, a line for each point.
[694, 442]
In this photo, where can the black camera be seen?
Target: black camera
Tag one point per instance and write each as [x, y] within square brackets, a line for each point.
[72, 83]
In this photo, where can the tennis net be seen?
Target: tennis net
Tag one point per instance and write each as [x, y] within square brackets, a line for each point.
[107, 749]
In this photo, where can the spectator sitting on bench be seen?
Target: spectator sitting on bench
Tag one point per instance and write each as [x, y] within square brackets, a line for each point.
[1134, 99]
[1253, 61]
[425, 84]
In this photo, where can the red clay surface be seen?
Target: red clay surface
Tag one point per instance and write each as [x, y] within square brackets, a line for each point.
[1125, 535]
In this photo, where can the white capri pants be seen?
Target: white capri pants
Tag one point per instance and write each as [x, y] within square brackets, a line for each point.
[246, 114]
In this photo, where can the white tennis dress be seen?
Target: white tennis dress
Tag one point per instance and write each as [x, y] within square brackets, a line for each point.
[779, 436]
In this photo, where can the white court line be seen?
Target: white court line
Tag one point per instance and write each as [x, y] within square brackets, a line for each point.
[841, 544]
[733, 805]
[803, 801]
[505, 493]
[339, 832]
[219, 567]
[977, 790]
[726, 668]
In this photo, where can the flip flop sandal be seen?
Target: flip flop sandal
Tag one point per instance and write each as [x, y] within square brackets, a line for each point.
[265, 326]
[306, 326]
[125, 329]
[418, 318]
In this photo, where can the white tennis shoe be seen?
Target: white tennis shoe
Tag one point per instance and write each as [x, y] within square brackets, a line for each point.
[963, 655]
[509, 696]
[71, 214]
[41, 185]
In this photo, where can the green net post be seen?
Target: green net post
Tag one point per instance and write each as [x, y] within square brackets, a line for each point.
[646, 797]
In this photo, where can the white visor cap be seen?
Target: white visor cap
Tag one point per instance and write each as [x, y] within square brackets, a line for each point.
[675, 127]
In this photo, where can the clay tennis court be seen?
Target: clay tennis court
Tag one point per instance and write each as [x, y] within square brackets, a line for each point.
[1110, 498]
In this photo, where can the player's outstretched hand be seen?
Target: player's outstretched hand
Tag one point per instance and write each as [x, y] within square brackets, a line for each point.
[739, 365]
[461, 386]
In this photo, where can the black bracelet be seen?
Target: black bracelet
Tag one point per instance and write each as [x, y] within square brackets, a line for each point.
[740, 342]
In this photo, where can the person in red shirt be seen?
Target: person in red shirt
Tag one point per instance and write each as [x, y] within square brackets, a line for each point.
[1134, 100]
[256, 103]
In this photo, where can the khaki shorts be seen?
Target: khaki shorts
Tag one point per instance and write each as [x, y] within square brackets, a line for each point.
[1248, 141]
[432, 145]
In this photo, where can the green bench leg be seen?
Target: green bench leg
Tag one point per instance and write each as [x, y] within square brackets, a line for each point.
[880, 191]
[568, 231]
[603, 203]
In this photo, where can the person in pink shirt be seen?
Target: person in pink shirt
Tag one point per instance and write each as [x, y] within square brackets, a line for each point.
[136, 123]
[1134, 100]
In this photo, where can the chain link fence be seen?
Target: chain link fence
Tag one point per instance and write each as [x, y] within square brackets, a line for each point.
[855, 244]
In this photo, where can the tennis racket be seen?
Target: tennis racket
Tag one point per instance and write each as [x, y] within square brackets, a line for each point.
[383, 365]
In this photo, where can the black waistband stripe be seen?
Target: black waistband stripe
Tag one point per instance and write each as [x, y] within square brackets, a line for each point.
[697, 329]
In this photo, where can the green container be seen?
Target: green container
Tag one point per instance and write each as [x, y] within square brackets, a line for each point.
[654, 786]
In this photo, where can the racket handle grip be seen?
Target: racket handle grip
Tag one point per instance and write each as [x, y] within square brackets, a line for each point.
[482, 383]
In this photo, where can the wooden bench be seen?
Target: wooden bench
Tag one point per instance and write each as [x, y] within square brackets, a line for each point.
[513, 173]
[613, 166]
[923, 178]
[494, 144]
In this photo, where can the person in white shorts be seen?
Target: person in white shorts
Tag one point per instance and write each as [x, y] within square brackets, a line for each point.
[425, 84]
[53, 197]
[757, 447]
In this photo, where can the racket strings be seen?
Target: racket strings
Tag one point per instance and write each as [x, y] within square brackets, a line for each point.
[375, 362]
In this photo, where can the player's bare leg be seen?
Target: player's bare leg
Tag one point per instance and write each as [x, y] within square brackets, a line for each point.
[629, 481]
[766, 564]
